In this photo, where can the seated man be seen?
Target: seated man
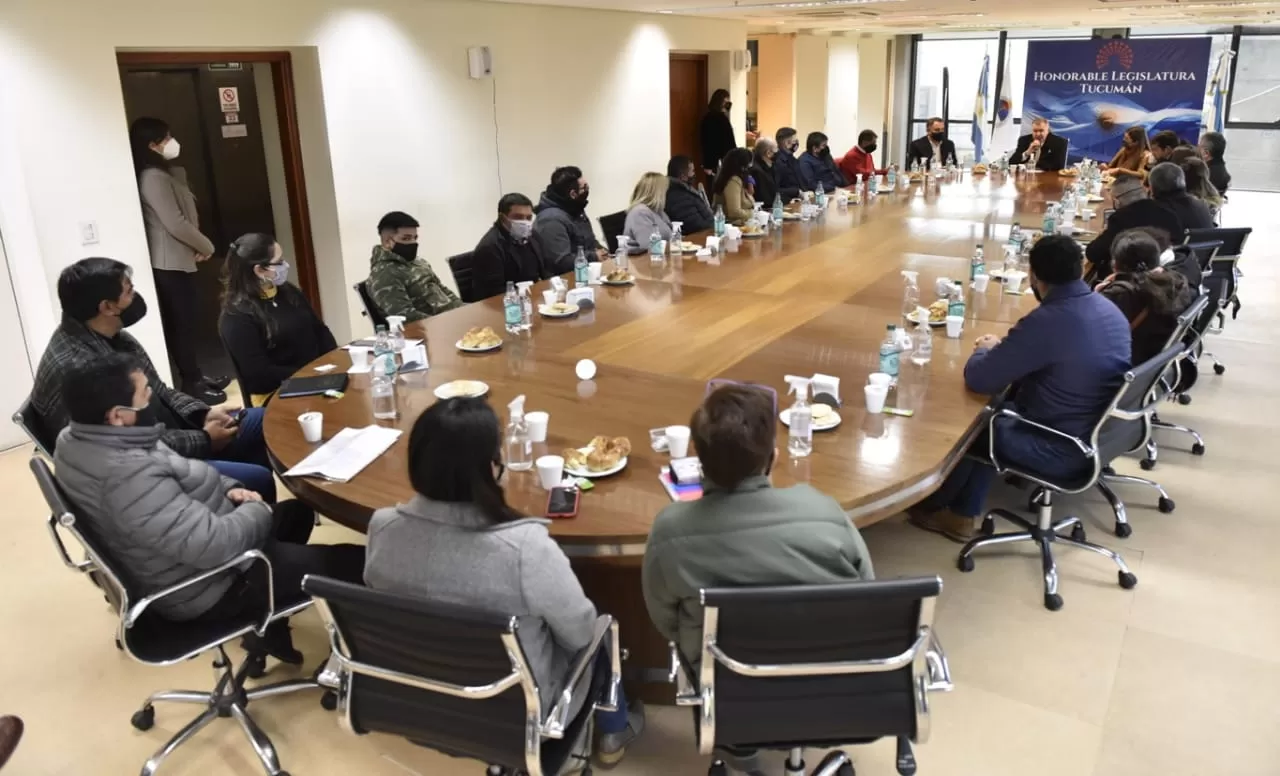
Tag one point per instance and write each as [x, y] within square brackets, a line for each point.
[1042, 148]
[401, 283]
[1163, 144]
[786, 167]
[507, 253]
[98, 304]
[1133, 209]
[1168, 184]
[165, 518]
[685, 203]
[934, 149]
[563, 226]
[859, 160]
[1066, 359]
[817, 168]
[1213, 146]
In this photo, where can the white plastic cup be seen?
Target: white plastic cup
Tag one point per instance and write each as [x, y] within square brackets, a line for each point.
[550, 471]
[879, 379]
[550, 297]
[1066, 229]
[312, 426]
[359, 356]
[678, 441]
[980, 283]
[955, 323]
[876, 394]
[537, 423]
[593, 272]
[1013, 282]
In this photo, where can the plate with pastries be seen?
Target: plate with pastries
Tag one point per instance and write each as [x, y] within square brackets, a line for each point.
[558, 310]
[479, 339]
[825, 417]
[461, 389]
[979, 169]
[937, 313]
[689, 247]
[752, 231]
[1069, 172]
[601, 457]
[619, 277]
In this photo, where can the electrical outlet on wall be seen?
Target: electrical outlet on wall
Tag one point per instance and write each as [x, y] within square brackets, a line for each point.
[88, 232]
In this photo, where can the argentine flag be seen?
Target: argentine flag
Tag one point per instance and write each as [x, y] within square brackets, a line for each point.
[980, 109]
[1218, 93]
[1004, 100]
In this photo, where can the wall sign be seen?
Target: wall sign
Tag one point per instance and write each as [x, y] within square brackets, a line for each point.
[230, 118]
[229, 99]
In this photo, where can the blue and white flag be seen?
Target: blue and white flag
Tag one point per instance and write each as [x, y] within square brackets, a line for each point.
[1004, 100]
[980, 109]
[1216, 115]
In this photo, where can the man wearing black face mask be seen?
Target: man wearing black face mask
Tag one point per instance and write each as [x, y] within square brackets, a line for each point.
[860, 159]
[786, 167]
[98, 304]
[562, 225]
[399, 282]
[817, 168]
[934, 149]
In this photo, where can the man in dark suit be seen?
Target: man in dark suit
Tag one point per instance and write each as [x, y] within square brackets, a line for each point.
[1047, 151]
[1134, 209]
[934, 149]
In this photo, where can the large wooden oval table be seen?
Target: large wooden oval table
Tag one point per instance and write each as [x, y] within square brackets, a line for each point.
[815, 297]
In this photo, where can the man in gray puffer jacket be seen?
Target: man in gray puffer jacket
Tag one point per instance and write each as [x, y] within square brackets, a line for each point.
[163, 518]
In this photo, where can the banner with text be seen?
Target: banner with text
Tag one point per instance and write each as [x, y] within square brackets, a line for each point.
[1091, 91]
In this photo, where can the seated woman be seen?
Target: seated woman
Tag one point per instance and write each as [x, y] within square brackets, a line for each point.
[647, 215]
[267, 324]
[1198, 185]
[1150, 297]
[731, 191]
[1133, 158]
[458, 542]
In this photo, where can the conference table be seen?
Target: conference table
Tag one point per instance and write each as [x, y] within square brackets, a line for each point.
[812, 297]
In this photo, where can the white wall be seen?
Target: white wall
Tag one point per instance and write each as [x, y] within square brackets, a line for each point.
[873, 87]
[811, 85]
[844, 119]
[388, 103]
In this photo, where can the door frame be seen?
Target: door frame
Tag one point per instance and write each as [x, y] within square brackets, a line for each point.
[290, 141]
[704, 94]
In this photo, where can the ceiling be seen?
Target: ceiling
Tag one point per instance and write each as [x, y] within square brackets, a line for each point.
[909, 16]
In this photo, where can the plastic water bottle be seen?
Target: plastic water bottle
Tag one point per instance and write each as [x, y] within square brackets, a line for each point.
[890, 352]
[526, 304]
[910, 293]
[675, 246]
[873, 185]
[719, 221]
[778, 212]
[800, 420]
[382, 389]
[580, 274]
[978, 264]
[655, 248]
[1050, 224]
[915, 166]
[956, 304]
[820, 198]
[383, 354]
[1015, 235]
[891, 177]
[511, 309]
[922, 340]
[518, 448]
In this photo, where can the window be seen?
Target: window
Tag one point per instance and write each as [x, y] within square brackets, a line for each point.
[1255, 93]
[963, 60]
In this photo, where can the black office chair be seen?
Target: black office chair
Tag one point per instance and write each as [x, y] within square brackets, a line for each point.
[245, 397]
[452, 679]
[1125, 426]
[1222, 278]
[370, 310]
[463, 268]
[815, 666]
[613, 225]
[1175, 384]
[1204, 252]
[149, 639]
[27, 419]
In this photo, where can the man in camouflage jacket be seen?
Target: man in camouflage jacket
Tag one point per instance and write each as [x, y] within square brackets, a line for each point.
[400, 282]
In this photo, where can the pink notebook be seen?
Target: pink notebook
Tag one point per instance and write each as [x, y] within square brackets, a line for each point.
[676, 491]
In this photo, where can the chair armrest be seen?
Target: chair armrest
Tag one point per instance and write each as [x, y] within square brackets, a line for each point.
[558, 718]
[681, 674]
[84, 566]
[938, 667]
[1008, 413]
[251, 556]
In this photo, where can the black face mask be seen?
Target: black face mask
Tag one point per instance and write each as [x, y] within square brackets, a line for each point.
[582, 199]
[145, 418]
[871, 149]
[938, 137]
[728, 106]
[1035, 291]
[134, 312]
[406, 251]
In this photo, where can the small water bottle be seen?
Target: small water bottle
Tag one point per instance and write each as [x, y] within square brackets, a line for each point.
[517, 447]
[873, 185]
[800, 420]
[1015, 235]
[857, 189]
[1050, 224]
[820, 198]
[890, 352]
[655, 248]
[891, 177]
[382, 351]
[581, 276]
[978, 264]
[719, 222]
[778, 211]
[922, 341]
[511, 309]
[382, 390]
[676, 245]
[526, 304]
[955, 306]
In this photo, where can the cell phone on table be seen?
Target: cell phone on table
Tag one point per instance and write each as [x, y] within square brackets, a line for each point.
[563, 502]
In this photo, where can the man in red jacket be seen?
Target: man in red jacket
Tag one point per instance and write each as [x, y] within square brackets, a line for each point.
[859, 160]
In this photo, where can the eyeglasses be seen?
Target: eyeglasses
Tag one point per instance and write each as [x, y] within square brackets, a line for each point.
[718, 383]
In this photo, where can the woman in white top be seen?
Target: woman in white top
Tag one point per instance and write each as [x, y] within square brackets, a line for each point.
[647, 215]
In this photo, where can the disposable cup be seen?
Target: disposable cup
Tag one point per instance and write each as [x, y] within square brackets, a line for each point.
[550, 297]
[312, 424]
[876, 395]
[678, 441]
[359, 357]
[593, 272]
[879, 379]
[980, 283]
[550, 471]
[954, 324]
[1013, 282]
[537, 423]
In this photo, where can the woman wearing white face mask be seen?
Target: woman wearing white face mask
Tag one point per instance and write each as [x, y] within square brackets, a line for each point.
[176, 245]
[267, 324]
[508, 252]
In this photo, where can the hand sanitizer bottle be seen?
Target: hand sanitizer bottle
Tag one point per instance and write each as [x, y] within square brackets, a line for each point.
[910, 292]
[517, 446]
[922, 344]
[800, 419]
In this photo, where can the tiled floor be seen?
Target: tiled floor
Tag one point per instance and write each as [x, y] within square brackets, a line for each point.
[1179, 677]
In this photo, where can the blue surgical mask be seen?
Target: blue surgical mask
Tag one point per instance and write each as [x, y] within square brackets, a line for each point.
[280, 273]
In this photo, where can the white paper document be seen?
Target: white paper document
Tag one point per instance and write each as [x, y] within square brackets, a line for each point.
[347, 454]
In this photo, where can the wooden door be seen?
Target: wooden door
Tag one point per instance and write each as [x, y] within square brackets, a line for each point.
[688, 103]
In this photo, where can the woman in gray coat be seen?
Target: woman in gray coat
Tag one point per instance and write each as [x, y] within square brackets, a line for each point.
[647, 215]
[459, 543]
[176, 245]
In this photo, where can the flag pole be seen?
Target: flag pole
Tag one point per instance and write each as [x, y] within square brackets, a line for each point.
[1000, 49]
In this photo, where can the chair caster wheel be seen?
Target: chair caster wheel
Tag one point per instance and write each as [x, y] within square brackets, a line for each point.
[585, 771]
[119, 646]
[718, 769]
[1109, 471]
[1124, 530]
[988, 527]
[1052, 601]
[1197, 449]
[965, 563]
[1166, 505]
[329, 701]
[1127, 580]
[1147, 464]
[1219, 369]
[1077, 533]
[144, 718]
[257, 667]
[845, 770]
[1184, 399]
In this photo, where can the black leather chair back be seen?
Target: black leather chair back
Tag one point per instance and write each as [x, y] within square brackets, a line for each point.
[1141, 392]
[27, 419]
[371, 310]
[463, 267]
[853, 621]
[613, 225]
[245, 396]
[431, 641]
[1233, 239]
[1204, 252]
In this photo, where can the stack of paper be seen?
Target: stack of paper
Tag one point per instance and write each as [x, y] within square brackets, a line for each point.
[347, 454]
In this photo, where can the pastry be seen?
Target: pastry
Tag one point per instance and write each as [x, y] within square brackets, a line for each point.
[480, 337]
[938, 311]
[619, 276]
[603, 453]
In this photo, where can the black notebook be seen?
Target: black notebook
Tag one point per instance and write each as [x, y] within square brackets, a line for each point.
[312, 386]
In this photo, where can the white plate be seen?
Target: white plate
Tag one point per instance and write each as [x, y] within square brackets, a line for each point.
[546, 311]
[752, 235]
[831, 422]
[459, 346]
[1092, 198]
[915, 318]
[691, 248]
[789, 216]
[590, 474]
[630, 282]
[442, 392]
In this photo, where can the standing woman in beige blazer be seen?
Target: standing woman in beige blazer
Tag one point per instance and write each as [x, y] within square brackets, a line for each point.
[176, 245]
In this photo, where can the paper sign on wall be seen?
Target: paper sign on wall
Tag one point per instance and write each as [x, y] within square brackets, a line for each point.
[229, 99]
[230, 118]
[235, 130]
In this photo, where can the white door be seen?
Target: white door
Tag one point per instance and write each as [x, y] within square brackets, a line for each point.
[13, 359]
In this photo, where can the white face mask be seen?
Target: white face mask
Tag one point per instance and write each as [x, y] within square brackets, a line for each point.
[171, 150]
[279, 274]
[520, 230]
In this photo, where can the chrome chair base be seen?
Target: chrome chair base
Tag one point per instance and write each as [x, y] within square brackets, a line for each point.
[1045, 533]
[229, 698]
[1109, 478]
[1153, 452]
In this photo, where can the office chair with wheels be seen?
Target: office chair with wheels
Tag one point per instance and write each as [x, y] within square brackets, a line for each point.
[815, 666]
[613, 225]
[454, 679]
[1123, 427]
[463, 268]
[1222, 277]
[1175, 384]
[370, 310]
[148, 638]
[27, 419]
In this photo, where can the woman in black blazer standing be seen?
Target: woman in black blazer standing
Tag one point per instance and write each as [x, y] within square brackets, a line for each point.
[716, 133]
[267, 324]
